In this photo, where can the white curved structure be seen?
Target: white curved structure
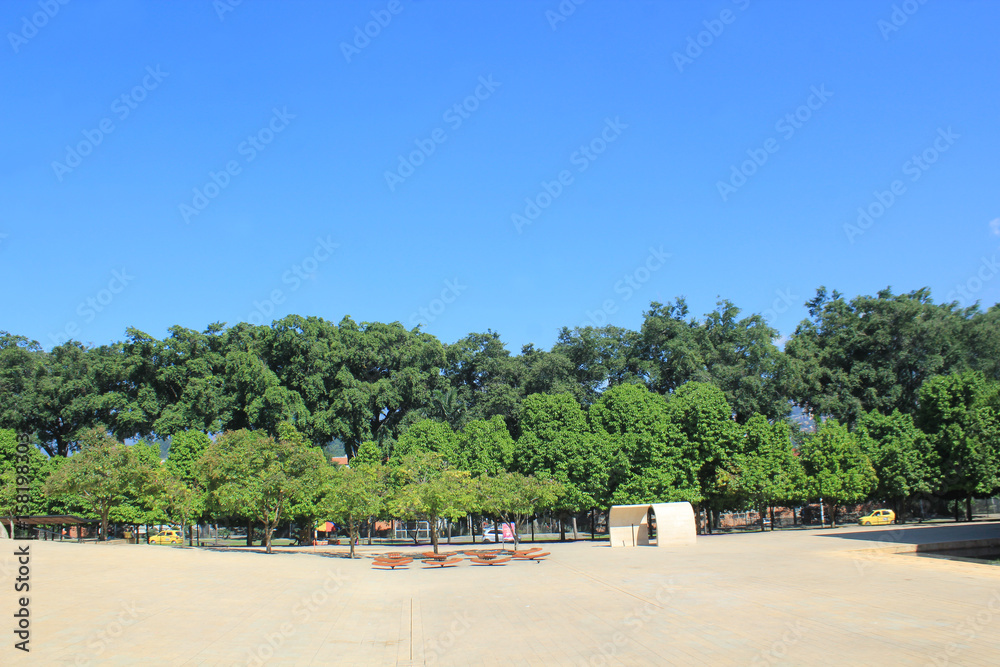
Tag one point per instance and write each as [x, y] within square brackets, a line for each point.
[629, 526]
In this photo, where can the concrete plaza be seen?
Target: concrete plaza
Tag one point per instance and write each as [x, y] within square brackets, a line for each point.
[807, 597]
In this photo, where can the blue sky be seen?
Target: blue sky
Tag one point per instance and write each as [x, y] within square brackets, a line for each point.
[269, 160]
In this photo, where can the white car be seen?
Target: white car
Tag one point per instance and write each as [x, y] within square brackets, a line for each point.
[494, 535]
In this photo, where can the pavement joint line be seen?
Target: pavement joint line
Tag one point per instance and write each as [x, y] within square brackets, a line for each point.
[612, 586]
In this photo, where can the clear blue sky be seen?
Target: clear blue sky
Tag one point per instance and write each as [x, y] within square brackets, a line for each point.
[660, 134]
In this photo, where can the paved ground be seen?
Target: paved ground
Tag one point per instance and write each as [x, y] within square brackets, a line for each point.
[816, 597]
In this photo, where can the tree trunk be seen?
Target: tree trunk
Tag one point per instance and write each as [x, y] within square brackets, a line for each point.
[968, 508]
[352, 532]
[956, 510]
[575, 536]
[562, 528]
[449, 531]
[593, 524]
[472, 529]
[771, 510]
[371, 520]
[104, 526]
[249, 532]
[434, 533]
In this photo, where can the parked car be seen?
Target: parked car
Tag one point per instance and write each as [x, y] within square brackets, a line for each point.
[167, 537]
[491, 534]
[877, 518]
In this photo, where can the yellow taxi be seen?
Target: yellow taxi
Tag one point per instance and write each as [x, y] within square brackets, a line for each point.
[167, 537]
[877, 518]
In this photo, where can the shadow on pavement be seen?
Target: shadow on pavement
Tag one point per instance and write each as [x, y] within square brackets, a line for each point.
[910, 534]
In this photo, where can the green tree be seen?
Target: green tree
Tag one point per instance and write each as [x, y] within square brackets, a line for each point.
[104, 475]
[742, 360]
[186, 449]
[557, 443]
[427, 435]
[646, 455]
[960, 414]
[253, 475]
[387, 375]
[837, 469]
[601, 357]
[766, 471]
[351, 496]
[709, 437]
[513, 497]
[671, 347]
[484, 447]
[903, 458]
[431, 490]
[871, 353]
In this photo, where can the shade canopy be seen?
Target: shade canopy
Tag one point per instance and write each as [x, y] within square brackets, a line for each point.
[629, 524]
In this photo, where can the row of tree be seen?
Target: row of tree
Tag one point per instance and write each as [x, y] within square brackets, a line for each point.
[348, 383]
[631, 445]
[263, 480]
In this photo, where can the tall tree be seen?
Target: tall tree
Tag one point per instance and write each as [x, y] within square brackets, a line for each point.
[556, 443]
[871, 353]
[742, 360]
[961, 415]
[388, 374]
[904, 460]
[671, 347]
[513, 498]
[256, 476]
[705, 420]
[432, 490]
[767, 470]
[351, 496]
[104, 475]
[601, 357]
[838, 471]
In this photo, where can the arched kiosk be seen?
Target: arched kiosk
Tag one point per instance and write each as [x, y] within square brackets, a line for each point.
[629, 525]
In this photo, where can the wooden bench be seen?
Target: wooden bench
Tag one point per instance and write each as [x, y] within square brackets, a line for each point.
[536, 556]
[488, 561]
[391, 563]
[451, 562]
